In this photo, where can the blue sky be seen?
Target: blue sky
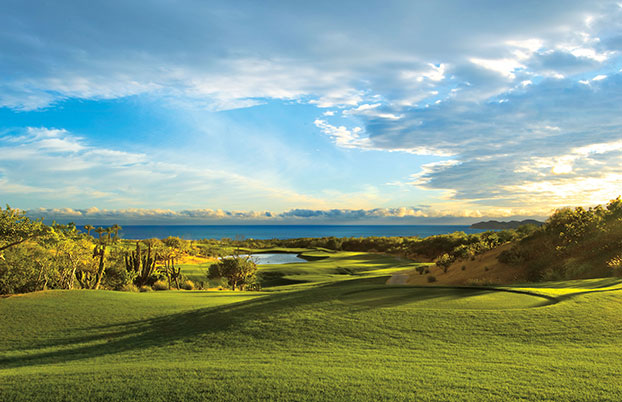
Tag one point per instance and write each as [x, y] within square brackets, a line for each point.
[300, 112]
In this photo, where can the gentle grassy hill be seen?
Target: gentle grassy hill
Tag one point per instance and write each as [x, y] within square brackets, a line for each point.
[352, 339]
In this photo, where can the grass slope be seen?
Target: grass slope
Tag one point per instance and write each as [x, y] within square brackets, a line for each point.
[353, 339]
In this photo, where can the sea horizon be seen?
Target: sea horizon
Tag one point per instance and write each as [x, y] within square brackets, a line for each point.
[284, 231]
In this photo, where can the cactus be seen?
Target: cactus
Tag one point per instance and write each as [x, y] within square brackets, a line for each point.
[99, 251]
[173, 274]
[140, 264]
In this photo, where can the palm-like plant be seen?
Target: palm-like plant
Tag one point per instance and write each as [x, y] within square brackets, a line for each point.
[88, 229]
[115, 228]
[100, 231]
[108, 231]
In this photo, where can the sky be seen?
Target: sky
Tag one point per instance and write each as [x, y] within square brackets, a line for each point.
[164, 111]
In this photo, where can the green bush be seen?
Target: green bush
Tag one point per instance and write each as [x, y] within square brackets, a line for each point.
[187, 285]
[145, 288]
[574, 243]
[116, 278]
[130, 287]
[431, 278]
[160, 285]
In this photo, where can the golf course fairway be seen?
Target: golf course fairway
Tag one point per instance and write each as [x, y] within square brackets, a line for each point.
[346, 336]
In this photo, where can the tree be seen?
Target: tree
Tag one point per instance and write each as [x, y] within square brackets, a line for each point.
[108, 232]
[100, 231]
[238, 270]
[115, 228]
[26, 268]
[88, 229]
[73, 256]
[444, 261]
[16, 228]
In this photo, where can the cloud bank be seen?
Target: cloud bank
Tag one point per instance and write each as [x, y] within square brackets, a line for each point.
[402, 215]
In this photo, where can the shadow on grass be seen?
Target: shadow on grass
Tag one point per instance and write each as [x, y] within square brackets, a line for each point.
[576, 284]
[219, 326]
[208, 323]
[391, 296]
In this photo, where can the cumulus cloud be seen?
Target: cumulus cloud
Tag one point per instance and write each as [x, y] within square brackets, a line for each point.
[515, 152]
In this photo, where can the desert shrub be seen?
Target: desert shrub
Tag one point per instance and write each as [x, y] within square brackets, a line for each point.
[27, 268]
[145, 288]
[573, 243]
[573, 268]
[160, 285]
[463, 267]
[486, 269]
[130, 287]
[444, 261]
[615, 264]
[116, 277]
[511, 256]
[431, 278]
[187, 285]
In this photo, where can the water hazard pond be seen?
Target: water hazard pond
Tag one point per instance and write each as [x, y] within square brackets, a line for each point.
[276, 258]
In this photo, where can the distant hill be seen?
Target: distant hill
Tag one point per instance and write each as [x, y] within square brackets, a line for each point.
[505, 225]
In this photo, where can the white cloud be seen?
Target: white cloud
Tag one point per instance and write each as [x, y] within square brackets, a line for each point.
[482, 91]
[343, 137]
[61, 167]
[505, 67]
[231, 56]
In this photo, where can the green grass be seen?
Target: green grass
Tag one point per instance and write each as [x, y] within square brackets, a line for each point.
[443, 298]
[324, 266]
[331, 266]
[349, 339]
[196, 272]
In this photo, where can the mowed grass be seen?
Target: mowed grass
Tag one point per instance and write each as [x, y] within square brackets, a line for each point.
[331, 266]
[196, 272]
[323, 266]
[352, 339]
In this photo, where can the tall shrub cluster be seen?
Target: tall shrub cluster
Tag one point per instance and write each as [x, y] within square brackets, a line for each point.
[573, 243]
[35, 256]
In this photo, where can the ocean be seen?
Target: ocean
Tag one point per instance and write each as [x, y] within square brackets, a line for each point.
[197, 232]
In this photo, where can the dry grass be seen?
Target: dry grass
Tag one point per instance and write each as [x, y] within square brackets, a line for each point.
[485, 269]
[196, 260]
